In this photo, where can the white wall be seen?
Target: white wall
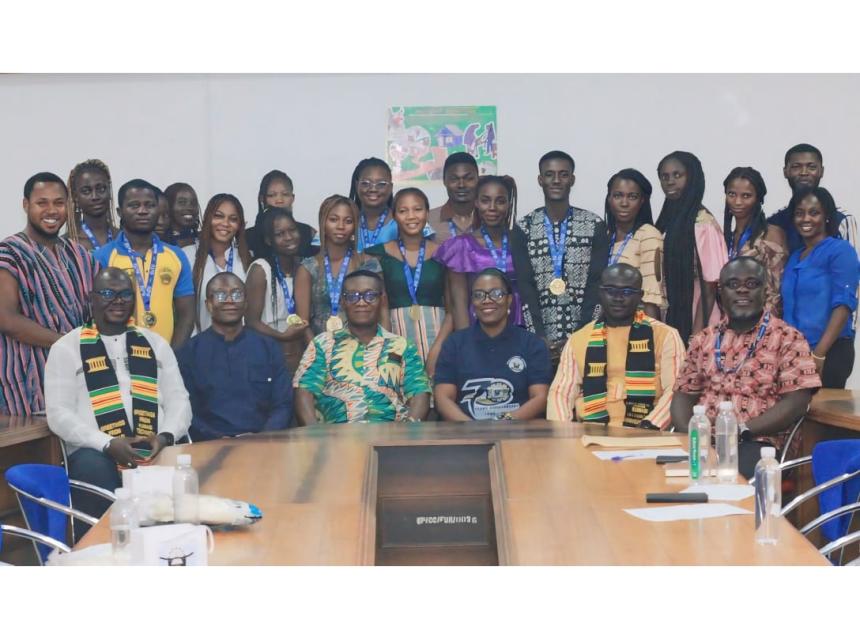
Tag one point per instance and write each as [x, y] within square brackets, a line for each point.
[222, 133]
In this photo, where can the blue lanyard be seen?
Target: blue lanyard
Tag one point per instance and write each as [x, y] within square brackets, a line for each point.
[556, 250]
[229, 268]
[734, 251]
[501, 260]
[412, 282]
[615, 258]
[367, 239]
[334, 288]
[718, 354]
[145, 291]
[92, 237]
[288, 298]
[453, 229]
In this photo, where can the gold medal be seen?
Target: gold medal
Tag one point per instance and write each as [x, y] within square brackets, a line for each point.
[415, 312]
[294, 319]
[557, 286]
[149, 319]
[334, 323]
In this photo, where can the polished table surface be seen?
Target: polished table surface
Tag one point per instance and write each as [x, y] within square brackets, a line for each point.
[554, 502]
[836, 408]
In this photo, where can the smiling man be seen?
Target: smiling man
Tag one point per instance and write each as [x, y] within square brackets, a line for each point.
[621, 368]
[44, 284]
[752, 358]
[460, 177]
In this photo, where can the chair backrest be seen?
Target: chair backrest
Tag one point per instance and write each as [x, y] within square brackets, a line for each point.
[41, 481]
[830, 459]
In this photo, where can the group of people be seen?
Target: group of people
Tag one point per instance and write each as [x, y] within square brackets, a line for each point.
[160, 325]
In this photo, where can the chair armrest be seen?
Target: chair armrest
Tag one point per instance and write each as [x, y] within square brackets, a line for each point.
[789, 464]
[844, 541]
[817, 489]
[820, 520]
[91, 488]
[35, 537]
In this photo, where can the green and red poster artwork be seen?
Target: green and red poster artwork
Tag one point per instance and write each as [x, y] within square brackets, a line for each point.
[420, 138]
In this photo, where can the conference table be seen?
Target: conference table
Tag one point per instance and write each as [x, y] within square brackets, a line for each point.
[482, 493]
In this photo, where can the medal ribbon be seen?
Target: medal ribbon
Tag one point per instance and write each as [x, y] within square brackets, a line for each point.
[229, 268]
[412, 281]
[556, 250]
[334, 288]
[501, 260]
[367, 239]
[290, 300]
[453, 229]
[92, 237]
[718, 354]
[734, 251]
[617, 256]
[145, 290]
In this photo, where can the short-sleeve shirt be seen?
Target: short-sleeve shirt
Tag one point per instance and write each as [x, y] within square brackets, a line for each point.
[492, 374]
[354, 382]
[781, 363]
[172, 280]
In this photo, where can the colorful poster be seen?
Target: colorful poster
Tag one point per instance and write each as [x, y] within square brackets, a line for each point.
[421, 138]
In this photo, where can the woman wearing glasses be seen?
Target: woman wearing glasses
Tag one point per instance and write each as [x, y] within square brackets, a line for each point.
[414, 284]
[492, 370]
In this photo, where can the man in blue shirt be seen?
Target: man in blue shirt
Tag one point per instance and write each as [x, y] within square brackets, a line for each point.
[236, 378]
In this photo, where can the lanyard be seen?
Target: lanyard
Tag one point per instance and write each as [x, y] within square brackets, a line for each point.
[412, 281]
[556, 250]
[734, 251]
[334, 288]
[229, 268]
[501, 260]
[718, 354]
[145, 290]
[615, 258]
[288, 298]
[453, 229]
[367, 239]
[92, 237]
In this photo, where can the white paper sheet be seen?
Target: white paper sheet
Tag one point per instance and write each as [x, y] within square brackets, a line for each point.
[687, 512]
[723, 491]
[633, 441]
[638, 454]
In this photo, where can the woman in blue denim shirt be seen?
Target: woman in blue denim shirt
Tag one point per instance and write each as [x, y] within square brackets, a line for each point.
[819, 286]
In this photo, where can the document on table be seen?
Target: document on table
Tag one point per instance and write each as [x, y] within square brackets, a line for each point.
[732, 492]
[638, 454]
[687, 512]
[629, 443]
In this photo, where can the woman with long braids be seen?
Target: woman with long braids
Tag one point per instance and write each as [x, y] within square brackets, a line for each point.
[184, 209]
[276, 190]
[221, 247]
[487, 246]
[694, 249]
[633, 238]
[92, 222]
[747, 232]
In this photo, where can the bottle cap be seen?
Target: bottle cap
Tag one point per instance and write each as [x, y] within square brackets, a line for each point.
[768, 452]
[183, 459]
[699, 410]
[726, 405]
[122, 493]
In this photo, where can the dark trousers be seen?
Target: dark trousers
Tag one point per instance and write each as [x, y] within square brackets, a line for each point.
[838, 364]
[749, 453]
[95, 467]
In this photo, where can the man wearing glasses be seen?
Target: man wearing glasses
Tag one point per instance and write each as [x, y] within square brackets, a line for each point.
[361, 373]
[752, 358]
[619, 369]
[113, 391]
[236, 378]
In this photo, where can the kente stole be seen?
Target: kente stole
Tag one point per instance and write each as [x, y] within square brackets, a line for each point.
[103, 387]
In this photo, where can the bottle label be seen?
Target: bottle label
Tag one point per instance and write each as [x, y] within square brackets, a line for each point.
[694, 453]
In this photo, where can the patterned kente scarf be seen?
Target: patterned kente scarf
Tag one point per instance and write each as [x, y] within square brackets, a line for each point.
[640, 378]
[103, 387]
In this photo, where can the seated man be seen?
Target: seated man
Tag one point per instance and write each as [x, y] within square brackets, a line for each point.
[112, 389]
[361, 372]
[621, 368]
[760, 363]
[236, 377]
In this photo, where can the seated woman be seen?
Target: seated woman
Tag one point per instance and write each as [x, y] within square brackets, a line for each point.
[492, 370]
[221, 247]
[184, 211]
[752, 235]
[276, 190]
[633, 238]
[819, 286]
[487, 246]
[414, 284]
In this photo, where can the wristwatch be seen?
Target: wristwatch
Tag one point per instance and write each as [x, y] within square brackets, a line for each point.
[167, 438]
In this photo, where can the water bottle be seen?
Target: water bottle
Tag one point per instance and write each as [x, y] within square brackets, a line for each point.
[123, 518]
[726, 428]
[768, 496]
[699, 433]
[185, 491]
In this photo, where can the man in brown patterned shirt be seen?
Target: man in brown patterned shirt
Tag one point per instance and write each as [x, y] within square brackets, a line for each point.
[760, 363]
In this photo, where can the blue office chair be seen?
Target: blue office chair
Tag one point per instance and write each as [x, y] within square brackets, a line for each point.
[43, 493]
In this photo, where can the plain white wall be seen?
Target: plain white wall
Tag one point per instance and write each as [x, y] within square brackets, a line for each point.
[223, 132]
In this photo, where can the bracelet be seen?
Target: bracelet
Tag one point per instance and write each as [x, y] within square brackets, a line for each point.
[815, 357]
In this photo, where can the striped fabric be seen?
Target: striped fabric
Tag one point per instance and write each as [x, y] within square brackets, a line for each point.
[53, 290]
[422, 331]
[144, 388]
[106, 400]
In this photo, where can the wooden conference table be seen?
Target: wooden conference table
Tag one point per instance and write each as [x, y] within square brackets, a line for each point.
[509, 493]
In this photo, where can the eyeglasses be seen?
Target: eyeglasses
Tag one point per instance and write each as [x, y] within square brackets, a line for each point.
[236, 295]
[126, 295]
[352, 297]
[615, 292]
[496, 295]
[367, 184]
[749, 283]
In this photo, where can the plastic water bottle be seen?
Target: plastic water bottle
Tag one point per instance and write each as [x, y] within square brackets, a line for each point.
[726, 428]
[186, 489]
[123, 518]
[699, 433]
[768, 496]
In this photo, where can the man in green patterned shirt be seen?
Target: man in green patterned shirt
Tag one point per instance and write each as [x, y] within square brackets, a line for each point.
[361, 373]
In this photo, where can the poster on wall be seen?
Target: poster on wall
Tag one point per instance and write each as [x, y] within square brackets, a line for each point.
[420, 138]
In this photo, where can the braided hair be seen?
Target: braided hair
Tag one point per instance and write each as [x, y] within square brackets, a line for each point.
[758, 224]
[510, 187]
[677, 222]
[273, 214]
[644, 216]
[74, 223]
[356, 174]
